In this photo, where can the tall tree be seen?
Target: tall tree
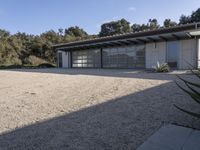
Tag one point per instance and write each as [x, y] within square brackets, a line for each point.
[115, 27]
[75, 32]
[61, 31]
[169, 23]
[51, 36]
[195, 17]
[136, 27]
[4, 33]
[185, 19]
[153, 24]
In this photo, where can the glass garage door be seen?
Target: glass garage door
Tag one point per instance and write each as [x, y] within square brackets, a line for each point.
[124, 57]
[86, 59]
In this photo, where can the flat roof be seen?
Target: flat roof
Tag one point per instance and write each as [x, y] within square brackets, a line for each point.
[162, 34]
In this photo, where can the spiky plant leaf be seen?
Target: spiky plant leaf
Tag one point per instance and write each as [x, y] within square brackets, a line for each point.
[188, 112]
[196, 74]
[162, 67]
[195, 92]
[191, 91]
[194, 96]
[191, 69]
[192, 83]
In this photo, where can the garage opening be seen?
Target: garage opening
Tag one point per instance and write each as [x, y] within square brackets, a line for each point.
[124, 57]
[115, 57]
[86, 59]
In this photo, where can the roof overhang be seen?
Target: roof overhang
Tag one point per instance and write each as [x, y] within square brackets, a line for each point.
[175, 33]
[195, 33]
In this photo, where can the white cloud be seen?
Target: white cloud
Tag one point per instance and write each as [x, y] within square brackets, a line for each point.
[131, 9]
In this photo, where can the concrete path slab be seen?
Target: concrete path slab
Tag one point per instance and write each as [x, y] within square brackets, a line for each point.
[172, 137]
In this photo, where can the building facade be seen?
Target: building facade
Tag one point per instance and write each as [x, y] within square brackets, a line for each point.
[178, 46]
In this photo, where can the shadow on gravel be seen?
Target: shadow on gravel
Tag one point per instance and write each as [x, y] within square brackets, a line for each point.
[122, 123]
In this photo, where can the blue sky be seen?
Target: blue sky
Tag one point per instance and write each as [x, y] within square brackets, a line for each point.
[37, 16]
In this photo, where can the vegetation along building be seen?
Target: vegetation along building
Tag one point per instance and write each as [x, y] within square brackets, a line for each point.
[178, 46]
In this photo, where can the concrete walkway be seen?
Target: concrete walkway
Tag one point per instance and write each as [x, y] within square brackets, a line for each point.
[172, 137]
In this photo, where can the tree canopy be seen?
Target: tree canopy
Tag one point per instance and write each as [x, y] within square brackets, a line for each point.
[115, 27]
[75, 32]
[194, 17]
[169, 23]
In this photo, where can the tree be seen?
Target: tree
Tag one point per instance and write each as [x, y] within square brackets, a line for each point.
[75, 32]
[169, 23]
[185, 19]
[195, 17]
[125, 26]
[61, 31]
[4, 33]
[153, 24]
[136, 27]
[115, 27]
[51, 36]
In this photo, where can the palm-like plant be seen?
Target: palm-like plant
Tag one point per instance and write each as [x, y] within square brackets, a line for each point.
[162, 67]
[193, 91]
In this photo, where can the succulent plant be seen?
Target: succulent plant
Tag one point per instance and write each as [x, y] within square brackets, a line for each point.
[193, 90]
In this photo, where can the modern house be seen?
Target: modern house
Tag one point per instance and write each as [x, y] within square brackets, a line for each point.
[178, 46]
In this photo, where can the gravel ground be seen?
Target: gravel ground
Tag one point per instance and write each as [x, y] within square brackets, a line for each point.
[87, 108]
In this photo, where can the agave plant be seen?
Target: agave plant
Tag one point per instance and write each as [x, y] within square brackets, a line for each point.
[162, 67]
[193, 91]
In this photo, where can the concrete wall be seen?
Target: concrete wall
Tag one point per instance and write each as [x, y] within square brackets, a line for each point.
[198, 53]
[155, 52]
[187, 54]
[65, 59]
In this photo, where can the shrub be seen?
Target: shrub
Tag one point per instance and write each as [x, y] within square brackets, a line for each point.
[13, 61]
[10, 66]
[162, 67]
[10, 60]
[35, 61]
[193, 91]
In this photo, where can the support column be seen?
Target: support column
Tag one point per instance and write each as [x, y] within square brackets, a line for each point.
[101, 55]
[57, 59]
[70, 59]
[198, 52]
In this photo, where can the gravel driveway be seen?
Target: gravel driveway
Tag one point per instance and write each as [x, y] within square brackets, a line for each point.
[87, 109]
